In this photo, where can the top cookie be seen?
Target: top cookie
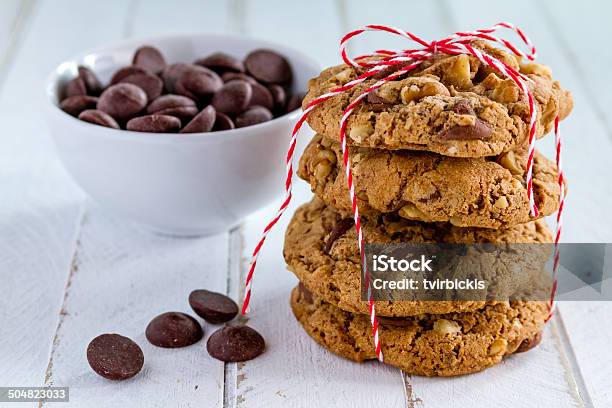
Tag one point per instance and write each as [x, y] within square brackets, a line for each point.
[451, 105]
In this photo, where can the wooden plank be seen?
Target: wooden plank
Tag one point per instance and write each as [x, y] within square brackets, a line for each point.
[122, 277]
[431, 22]
[312, 26]
[272, 379]
[138, 275]
[158, 17]
[534, 379]
[580, 30]
[588, 332]
[580, 225]
[507, 378]
[13, 20]
[41, 208]
[425, 19]
[295, 371]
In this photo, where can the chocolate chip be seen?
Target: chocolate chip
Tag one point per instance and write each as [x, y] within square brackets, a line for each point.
[125, 72]
[305, 294]
[173, 330]
[114, 357]
[268, 66]
[149, 58]
[376, 103]
[154, 124]
[178, 106]
[235, 344]
[395, 321]
[233, 97]
[151, 84]
[230, 76]
[122, 101]
[223, 122]
[478, 131]
[279, 96]
[261, 96]
[202, 122]
[237, 99]
[529, 343]
[91, 81]
[295, 102]
[385, 72]
[253, 116]
[75, 86]
[197, 82]
[373, 97]
[377, 107]
[220, 62]
[185, 113]
[463, 107]
[76, 104]
[213, 307]
[97, 117]
[171, 74]
[341, 227]
[170, 101]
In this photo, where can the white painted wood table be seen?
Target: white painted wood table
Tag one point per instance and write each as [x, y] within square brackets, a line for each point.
[69, 271]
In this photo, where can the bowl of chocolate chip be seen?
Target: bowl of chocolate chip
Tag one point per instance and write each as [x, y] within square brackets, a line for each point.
[185, 134]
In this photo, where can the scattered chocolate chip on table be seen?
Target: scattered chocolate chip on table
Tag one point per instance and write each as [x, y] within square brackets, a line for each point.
[118, 358]
[173, 330]
[213, 307]
[115, 357]
[235, 344]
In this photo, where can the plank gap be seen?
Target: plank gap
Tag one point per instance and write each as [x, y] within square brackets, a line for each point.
[600, 112]
[74, 267]
[130, 17]
[343, 18]
[412, 401]
[447, 18]
[19, 26]
[570, 362]
[236, 17]
[233, 290]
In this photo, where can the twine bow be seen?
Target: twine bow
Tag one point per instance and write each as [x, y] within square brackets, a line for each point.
[407, 60]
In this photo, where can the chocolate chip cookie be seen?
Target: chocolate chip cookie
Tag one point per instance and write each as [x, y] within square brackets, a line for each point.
[432, 345]
[451, 105]
[321, 250]
[467, 192]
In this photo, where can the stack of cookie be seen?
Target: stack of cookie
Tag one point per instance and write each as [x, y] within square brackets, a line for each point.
[437, 157]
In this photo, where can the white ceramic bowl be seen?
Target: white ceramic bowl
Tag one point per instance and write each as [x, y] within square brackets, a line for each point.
[180, 184]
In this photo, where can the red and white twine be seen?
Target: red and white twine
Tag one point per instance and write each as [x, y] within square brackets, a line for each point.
[559, 224]
[409, 59]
